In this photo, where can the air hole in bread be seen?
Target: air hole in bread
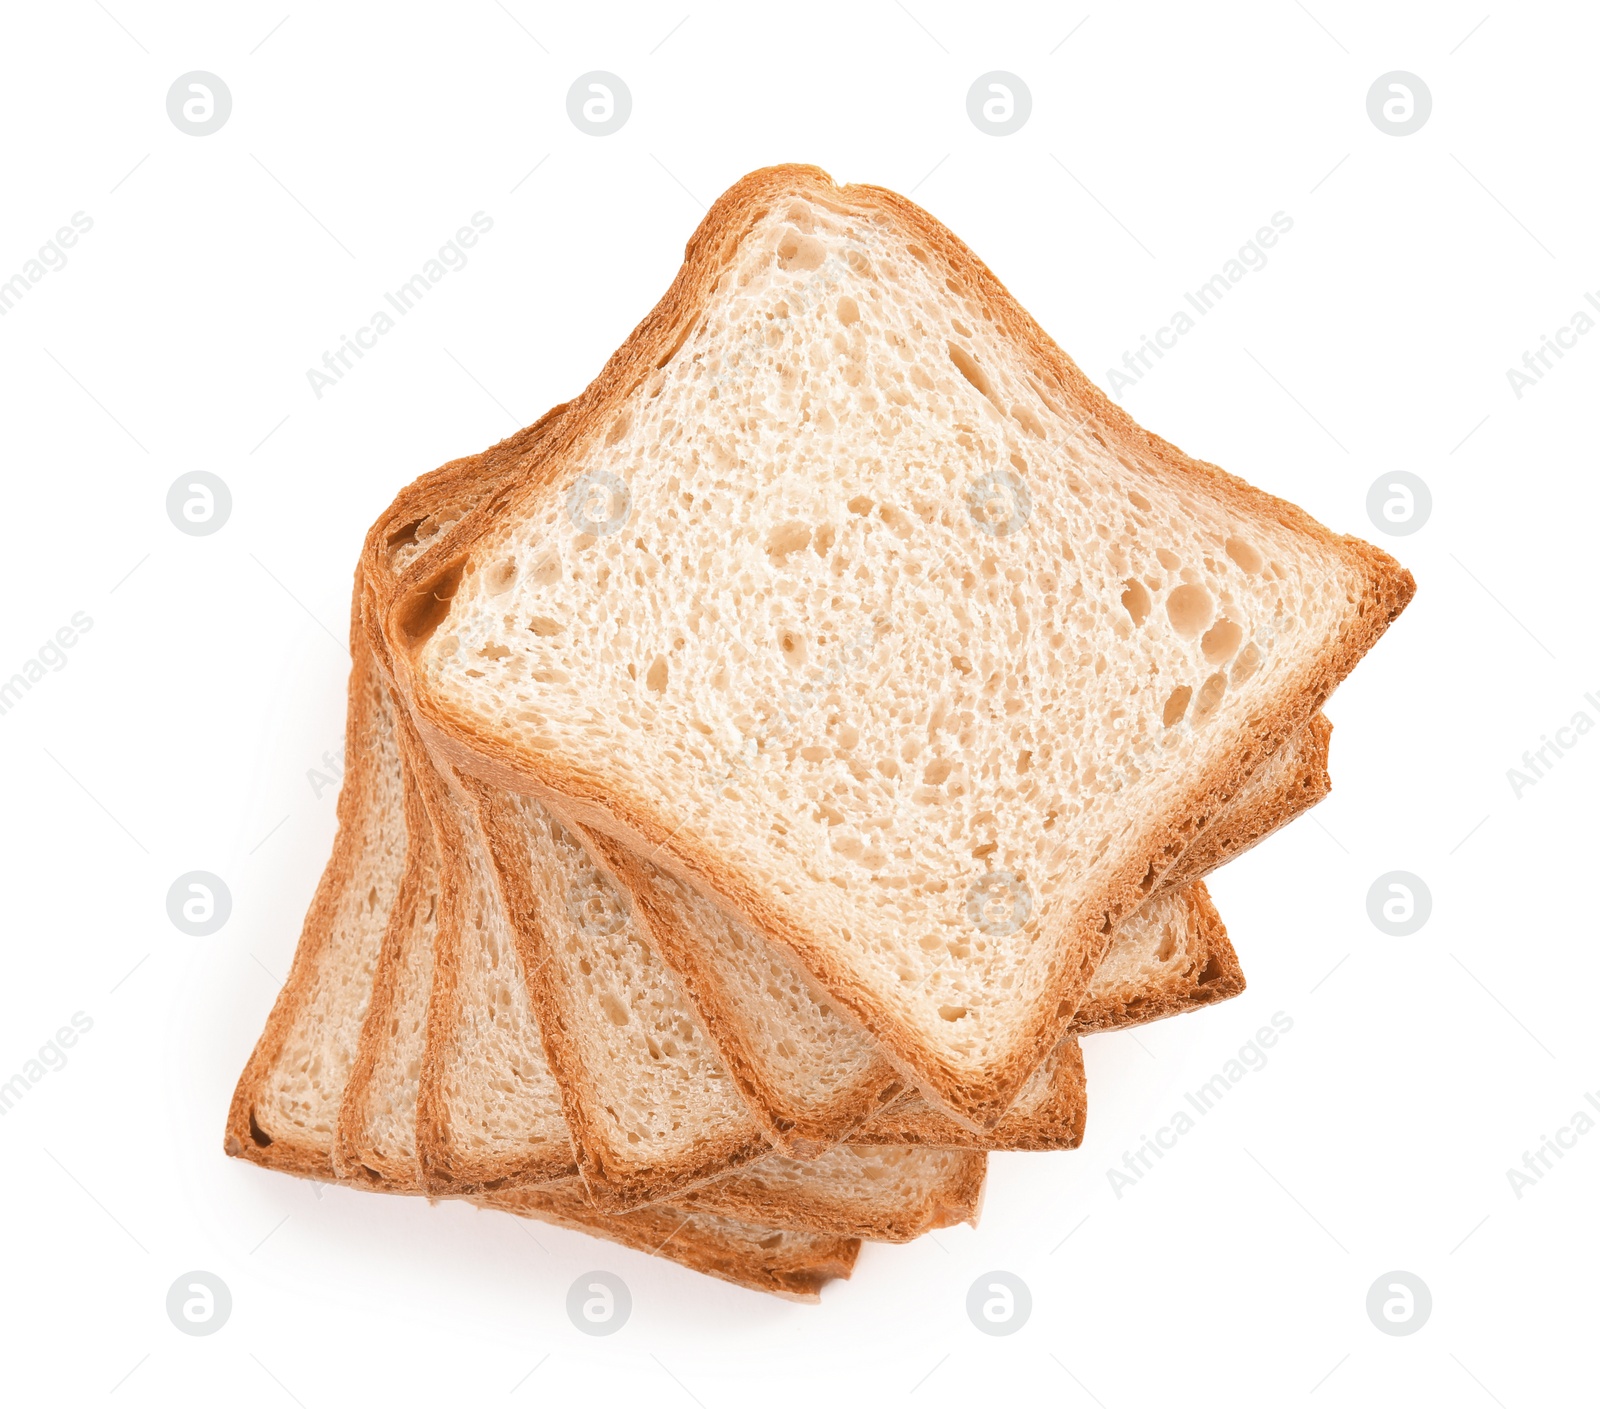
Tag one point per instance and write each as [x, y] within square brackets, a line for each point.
[848, 310]
[1189, 609]
[968, 366]
[430, 604]
[1177, 703]
[404, 535]
[257, 1134]
[898, 521]
[861, 504]
[1028, 421]
[1219, 643]
[1136, 600]
[1211, 694]
[1245, 553]
[950, 1012]
[544, 626]
[785, 539]
[498, 577]
[678, 340]
[619, 428]
[802, 252]
[793, 646]
[656, 677]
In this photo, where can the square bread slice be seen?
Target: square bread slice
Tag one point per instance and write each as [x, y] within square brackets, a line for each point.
[842, 594]
[649, 1102]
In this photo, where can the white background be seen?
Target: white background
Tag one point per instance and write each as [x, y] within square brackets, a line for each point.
[180, 733]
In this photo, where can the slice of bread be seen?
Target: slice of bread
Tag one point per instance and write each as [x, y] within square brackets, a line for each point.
[930, 1189]
[640, 1124]
[787, 1263]
[887, 1194]
[650, 1105]
[281, 1113]
[286, 1102]
[842, 594]
[648, 1102]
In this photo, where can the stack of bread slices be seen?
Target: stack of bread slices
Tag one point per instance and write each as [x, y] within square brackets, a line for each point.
[763, 770]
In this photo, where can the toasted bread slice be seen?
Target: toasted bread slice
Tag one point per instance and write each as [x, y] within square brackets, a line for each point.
[906, 616]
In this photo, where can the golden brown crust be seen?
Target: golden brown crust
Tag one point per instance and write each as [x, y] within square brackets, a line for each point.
[1079, 940]
[245, 1136]
[1213, 976]
[956, 1198]
[1239, 827]
[1055, 1123]
[614, 1182]
[801, 1131]
[784, 1262]
[357, 1154]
